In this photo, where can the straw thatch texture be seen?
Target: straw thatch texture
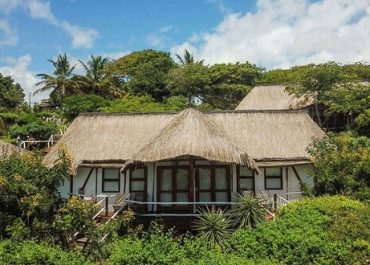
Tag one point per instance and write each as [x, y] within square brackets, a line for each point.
[115, 138]
[7, 149]
[191, 133]
[272, 98]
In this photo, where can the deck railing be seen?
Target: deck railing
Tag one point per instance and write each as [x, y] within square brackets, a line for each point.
[285, 198]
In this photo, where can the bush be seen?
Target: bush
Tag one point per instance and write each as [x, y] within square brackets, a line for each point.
[39, 129]
[326, 230]
[35, 253]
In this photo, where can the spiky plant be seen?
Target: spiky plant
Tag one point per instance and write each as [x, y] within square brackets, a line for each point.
[248, 211]
[213, 225]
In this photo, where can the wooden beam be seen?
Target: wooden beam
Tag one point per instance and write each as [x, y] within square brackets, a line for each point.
[297, 175]
[192, 180]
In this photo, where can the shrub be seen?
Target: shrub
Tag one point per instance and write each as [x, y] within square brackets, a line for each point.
[74, 105]
[213, 226]
[35, 253]
[248, 212]
[323, 230]
[39, 129]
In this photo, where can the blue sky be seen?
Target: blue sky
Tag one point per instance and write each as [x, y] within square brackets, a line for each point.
[269, 33]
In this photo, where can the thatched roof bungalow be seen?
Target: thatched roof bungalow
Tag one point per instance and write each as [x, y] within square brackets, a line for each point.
[190, 156]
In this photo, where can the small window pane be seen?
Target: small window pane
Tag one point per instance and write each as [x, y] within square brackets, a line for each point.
[246, 172]
[138, 173]
[166, 180]
[221, 197]
[204, 178]
[111, 173]
[182, 197]
[111, 186]
[182, 179]
[273, 171]
[165, 197]
[246, 184]
[273, 183]
[204, 196]
[137, 185]
[221, 178]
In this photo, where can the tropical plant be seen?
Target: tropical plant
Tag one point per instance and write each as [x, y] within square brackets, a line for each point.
[60, 82]
[188, 58]
[76, 104]
[11, 94]
[97, 79]
[248, 212]
[213, 225]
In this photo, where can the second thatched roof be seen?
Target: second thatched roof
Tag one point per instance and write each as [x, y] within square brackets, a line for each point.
[191, 133]
[274, 97]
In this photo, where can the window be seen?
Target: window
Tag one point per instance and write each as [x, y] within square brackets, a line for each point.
[138, 183]
[245, 179]
[273, 178]
[213, 183]
[111, 180]
[173, 186]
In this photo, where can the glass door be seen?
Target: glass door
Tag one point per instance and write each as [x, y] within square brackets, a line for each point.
[173, 186]
[213, 184]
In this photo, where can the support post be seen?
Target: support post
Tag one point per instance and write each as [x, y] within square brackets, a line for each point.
[192, 182]
[106, 206]
[275, 201]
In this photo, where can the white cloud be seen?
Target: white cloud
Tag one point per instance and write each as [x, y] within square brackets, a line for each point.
[80, 37]
[8, 36]
[18, 69]
[283, 33]
[116, 55]
[39, 9]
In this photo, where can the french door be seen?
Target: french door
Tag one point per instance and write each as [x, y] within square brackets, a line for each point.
[173, 185]
[213, 184]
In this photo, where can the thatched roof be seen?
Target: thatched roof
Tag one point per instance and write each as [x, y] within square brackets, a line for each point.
[116, 138]
[7, 149]
[272, 98]
[191, 133]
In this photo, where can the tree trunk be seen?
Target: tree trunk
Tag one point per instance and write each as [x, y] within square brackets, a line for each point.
[318, 115]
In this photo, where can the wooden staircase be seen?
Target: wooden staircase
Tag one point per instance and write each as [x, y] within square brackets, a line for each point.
[102, 217]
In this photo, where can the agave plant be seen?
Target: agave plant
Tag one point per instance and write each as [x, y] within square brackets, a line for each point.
[213, 225]
[248, 211]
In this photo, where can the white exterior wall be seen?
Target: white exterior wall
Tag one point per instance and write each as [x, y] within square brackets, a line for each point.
[94, 185]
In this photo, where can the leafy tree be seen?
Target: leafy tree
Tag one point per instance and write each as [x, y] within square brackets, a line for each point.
[189, 81]
[188, 58]
[11, 94]
[38, 129]
[230, 83]
[351, 99]
[143, 73]
[60, 82]
[342, 164]
[74, 105]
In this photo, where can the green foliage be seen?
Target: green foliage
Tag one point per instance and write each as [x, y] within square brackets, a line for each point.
[342, 164]
[11, 94]
[143, 73]
[39, 129]
[213, 225]
[189, 81]
[310, 231]
[248, 211]
[35, 253]
[74, 105]
[230, 83]
[28, 190]
[145, 104]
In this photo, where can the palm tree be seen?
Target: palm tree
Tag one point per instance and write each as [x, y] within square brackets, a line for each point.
[188, 58]
[95, 74]
[61, 79]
